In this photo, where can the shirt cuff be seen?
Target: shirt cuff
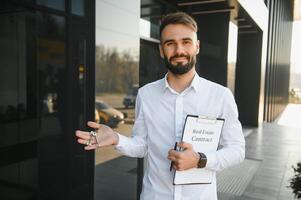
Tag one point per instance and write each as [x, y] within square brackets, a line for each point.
[211, 161]
[121, 141]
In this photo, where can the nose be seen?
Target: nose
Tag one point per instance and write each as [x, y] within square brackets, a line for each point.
[179, 49]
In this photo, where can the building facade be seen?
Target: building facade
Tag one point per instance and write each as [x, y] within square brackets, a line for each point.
[47, 78]
[66, 61]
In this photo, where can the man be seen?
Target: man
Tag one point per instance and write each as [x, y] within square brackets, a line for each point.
[160, 113]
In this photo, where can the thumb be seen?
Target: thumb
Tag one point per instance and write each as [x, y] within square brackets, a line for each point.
[185, 145]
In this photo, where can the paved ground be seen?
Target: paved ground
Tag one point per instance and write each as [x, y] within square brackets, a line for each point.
[271, 150]
[278, 147]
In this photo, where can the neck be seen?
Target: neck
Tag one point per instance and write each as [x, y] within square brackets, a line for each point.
[179, 82]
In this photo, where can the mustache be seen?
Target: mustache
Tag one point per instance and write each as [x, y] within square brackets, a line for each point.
[179, 55]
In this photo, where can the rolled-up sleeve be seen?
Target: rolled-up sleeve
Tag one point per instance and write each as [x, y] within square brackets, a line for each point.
[232, 142]
[135, 146]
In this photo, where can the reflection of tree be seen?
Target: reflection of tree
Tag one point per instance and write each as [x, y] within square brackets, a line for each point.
[55, 26]
[115, 72]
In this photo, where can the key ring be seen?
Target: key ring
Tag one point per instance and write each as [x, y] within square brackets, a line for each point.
[94, 134]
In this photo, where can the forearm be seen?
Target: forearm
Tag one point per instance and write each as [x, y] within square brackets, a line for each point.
[225, 157]
[131, 146]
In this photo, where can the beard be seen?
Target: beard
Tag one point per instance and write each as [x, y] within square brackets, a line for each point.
[180, 68]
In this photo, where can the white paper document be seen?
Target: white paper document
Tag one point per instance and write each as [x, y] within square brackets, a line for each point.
[203, 134]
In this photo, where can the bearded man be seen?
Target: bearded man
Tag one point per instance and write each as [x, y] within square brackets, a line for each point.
[161, 109]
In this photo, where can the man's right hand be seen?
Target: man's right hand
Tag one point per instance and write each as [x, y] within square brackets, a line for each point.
[105, 136]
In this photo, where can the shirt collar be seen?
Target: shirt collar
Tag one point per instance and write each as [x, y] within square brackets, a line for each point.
[195, 84]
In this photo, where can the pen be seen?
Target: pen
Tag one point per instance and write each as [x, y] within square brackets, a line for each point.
[175, 148]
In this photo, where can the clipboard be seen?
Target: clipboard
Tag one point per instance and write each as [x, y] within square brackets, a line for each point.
[203, 133]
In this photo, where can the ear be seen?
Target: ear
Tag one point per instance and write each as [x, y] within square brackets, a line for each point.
[198, 47]
[161, 51]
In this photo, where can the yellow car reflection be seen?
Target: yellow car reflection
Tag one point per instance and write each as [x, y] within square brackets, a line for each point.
[96, 116]
[108, 115]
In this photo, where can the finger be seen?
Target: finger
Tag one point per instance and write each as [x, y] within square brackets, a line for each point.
[90, 147]
[172, 152]
[87, 147]
[175, 167]
[175, 154]
[84, 142]
[81, 141]
[93, 125]
[178, 167]
[185, 145]
[172, 158]
[83, 134]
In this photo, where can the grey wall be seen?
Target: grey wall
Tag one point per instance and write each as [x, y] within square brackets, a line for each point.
[278, 57]
[213, 36]
[247, 85]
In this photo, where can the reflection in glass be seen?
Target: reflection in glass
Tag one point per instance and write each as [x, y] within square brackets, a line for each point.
[52, 76]
[32, 53]
[130, 98]
[116, 89]
[78, 7]
[117, 78]
[56, 4]
[108, 115]
[50, 60]
[17, 94]
[18, 110]
[145, 28]
[152, 11]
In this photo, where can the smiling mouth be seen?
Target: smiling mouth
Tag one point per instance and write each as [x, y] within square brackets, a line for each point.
[179, 59]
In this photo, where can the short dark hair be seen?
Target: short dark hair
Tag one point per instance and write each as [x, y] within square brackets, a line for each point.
[178, 18]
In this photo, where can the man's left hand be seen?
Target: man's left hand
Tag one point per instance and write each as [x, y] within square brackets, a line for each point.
[183, 160]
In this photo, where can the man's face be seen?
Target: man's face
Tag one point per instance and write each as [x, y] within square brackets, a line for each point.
[179, 47]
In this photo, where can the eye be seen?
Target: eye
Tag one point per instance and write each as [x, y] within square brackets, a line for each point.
[169, 43]
[186, 42]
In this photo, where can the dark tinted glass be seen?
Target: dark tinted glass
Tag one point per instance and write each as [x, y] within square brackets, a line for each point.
[32, 53]
[56, 4]
[18, 113]
[78, 7]
[51, 73]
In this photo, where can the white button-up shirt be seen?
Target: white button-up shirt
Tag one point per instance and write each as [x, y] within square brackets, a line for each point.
[160, 116]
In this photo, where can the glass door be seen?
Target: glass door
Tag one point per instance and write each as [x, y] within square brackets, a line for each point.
[116, 86]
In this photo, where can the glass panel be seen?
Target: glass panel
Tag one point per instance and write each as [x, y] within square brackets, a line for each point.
[38, 154]
[82, 71]
[32, 87]
[18, 112]
[56, 4]
[152, 11]
[78, 7]
[145, 28]
[117, 72]
[52, 87]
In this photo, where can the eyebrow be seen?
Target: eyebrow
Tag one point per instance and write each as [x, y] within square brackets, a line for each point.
[166, 41]
[188, 38]
[172, 40]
